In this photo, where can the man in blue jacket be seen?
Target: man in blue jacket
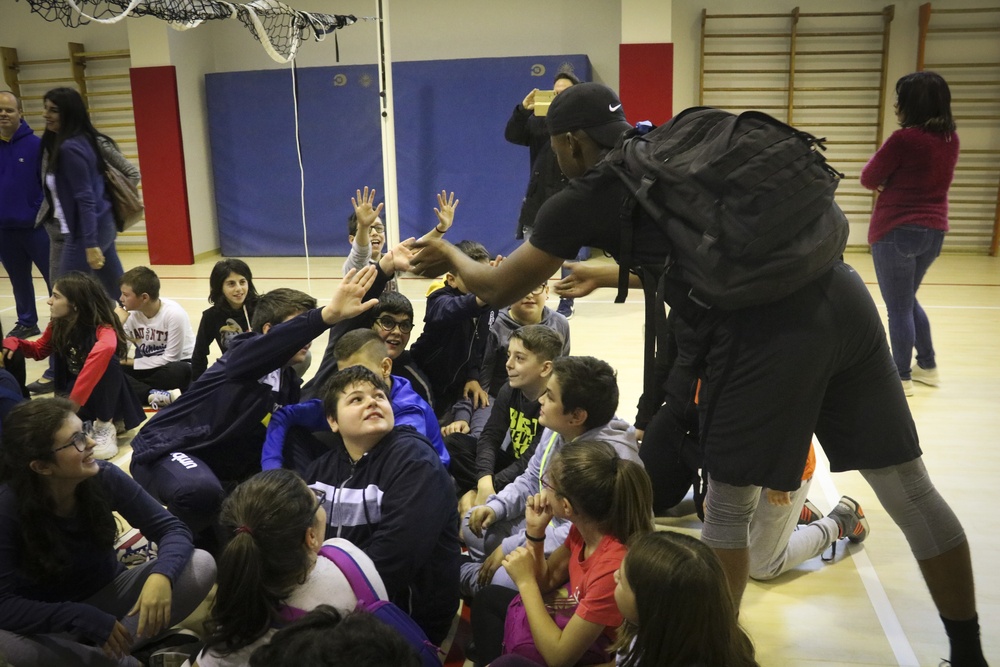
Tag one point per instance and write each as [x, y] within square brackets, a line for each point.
[21, 243]
[388, 493]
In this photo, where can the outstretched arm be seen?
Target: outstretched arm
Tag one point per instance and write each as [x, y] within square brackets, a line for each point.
[501, 285]
[445, 213]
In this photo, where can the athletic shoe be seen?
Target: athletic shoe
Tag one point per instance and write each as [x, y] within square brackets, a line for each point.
[134, 549]
[566, 308]
[850, 519]
[107, 440]
[809, 513]
[120, 427]
[927, 376]
[160, 398]
[908, 387]
[21, 331]
[42, 386]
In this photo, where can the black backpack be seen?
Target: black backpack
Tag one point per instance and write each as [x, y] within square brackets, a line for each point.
[745, 201]
[746, 205]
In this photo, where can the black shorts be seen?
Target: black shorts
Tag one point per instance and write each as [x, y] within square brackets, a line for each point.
[817, 362]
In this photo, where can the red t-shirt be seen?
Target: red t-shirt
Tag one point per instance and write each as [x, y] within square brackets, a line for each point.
[592, 581]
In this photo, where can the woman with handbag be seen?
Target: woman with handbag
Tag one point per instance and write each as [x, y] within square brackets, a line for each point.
[81, 222]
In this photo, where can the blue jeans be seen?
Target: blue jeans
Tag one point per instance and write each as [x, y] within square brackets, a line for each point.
[902, 257]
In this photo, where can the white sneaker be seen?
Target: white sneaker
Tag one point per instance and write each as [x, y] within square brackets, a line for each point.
[107, 440]
[927, 376]
[908, 387]
[161, 398]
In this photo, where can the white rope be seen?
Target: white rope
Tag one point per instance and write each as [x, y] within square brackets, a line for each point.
[302, 181]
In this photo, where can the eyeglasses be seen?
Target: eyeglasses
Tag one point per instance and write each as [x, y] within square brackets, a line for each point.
[79, 439]
[538, 290]
[320, 497]
[378, 229]
[543, 480]
[388, 324]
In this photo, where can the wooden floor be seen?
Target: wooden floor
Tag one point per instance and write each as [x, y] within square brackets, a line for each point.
[870, 607]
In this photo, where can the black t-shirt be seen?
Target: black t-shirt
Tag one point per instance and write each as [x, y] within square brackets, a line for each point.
[588, 213]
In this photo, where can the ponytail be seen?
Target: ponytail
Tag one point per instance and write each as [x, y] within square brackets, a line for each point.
[612, 491]
[265, 560]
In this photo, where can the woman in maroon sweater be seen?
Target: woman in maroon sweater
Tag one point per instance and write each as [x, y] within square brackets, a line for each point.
[912, 172]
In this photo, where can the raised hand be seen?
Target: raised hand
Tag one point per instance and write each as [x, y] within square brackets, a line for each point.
[364, 208]
[445, 211]
[347, 298]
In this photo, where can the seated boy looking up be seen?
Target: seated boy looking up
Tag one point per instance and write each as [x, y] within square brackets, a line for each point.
[361, 347]
[191, 453]
[501, 453]
[578, 404]
[493, 374]
[161, 331]
[388, 493]
[450, 348]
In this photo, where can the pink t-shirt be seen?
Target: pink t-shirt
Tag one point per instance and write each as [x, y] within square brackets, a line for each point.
[592, 581]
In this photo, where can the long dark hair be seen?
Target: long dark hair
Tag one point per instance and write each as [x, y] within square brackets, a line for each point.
[614, 492]
[74, 119]
[220, 272]
[924, 100]
[686, 612]
[91, 309]
[264, 561]
[29, 435]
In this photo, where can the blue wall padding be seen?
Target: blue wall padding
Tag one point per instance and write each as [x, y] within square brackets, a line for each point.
[450, 118]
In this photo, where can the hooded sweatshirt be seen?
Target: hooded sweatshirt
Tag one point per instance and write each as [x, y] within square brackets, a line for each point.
[20, 179]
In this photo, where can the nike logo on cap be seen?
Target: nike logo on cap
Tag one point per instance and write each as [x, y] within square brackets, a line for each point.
[614, 108]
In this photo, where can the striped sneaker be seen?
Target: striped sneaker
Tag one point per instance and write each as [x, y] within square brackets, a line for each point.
[851, 519]
[809, 513]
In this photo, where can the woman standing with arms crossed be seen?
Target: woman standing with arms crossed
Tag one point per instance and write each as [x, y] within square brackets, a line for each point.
[912, 172]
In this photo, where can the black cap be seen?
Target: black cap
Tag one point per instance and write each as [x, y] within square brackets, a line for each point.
[591, 107]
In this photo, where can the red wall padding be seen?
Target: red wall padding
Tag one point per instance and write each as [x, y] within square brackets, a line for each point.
[646, 76]
[164, 184]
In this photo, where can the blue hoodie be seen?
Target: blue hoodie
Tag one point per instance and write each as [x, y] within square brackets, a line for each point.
[20, 179]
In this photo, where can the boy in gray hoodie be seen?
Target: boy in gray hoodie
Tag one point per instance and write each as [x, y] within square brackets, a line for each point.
[579, 404]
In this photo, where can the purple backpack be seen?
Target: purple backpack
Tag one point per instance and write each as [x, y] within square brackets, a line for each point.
[369, 602]
[517, 638]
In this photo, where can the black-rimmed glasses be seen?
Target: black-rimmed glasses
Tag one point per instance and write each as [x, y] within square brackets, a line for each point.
[388, 324]
[320, 497]
[79, 439]
[538, 290]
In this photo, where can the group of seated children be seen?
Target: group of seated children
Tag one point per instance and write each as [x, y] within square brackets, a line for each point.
[300, 499]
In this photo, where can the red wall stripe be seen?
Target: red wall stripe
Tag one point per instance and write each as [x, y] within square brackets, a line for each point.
[646, 76]
[164, 183]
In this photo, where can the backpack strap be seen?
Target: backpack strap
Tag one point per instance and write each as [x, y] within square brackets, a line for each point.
[363, 589]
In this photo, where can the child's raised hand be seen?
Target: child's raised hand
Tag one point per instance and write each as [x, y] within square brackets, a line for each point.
[347, 298]
[520, 565]
[495, 262]
[537, 514]
[445, 211]
[364, 209]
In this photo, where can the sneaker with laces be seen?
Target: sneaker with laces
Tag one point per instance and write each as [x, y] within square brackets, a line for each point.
[927, 376]
[809, 513]
[160, 398]
[104, 435]
[850, 519]
[22, 331]
[908, 387]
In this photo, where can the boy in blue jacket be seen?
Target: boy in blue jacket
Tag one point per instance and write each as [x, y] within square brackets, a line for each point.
[293, 424]
[195, 450]
[388, 493]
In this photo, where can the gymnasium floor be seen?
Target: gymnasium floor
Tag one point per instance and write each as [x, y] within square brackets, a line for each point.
[869, 607]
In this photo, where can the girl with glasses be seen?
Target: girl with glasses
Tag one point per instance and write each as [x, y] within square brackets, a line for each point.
[64, 596]
[272, 569]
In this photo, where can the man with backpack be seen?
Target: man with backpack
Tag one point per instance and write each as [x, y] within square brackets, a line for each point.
[812, 360]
